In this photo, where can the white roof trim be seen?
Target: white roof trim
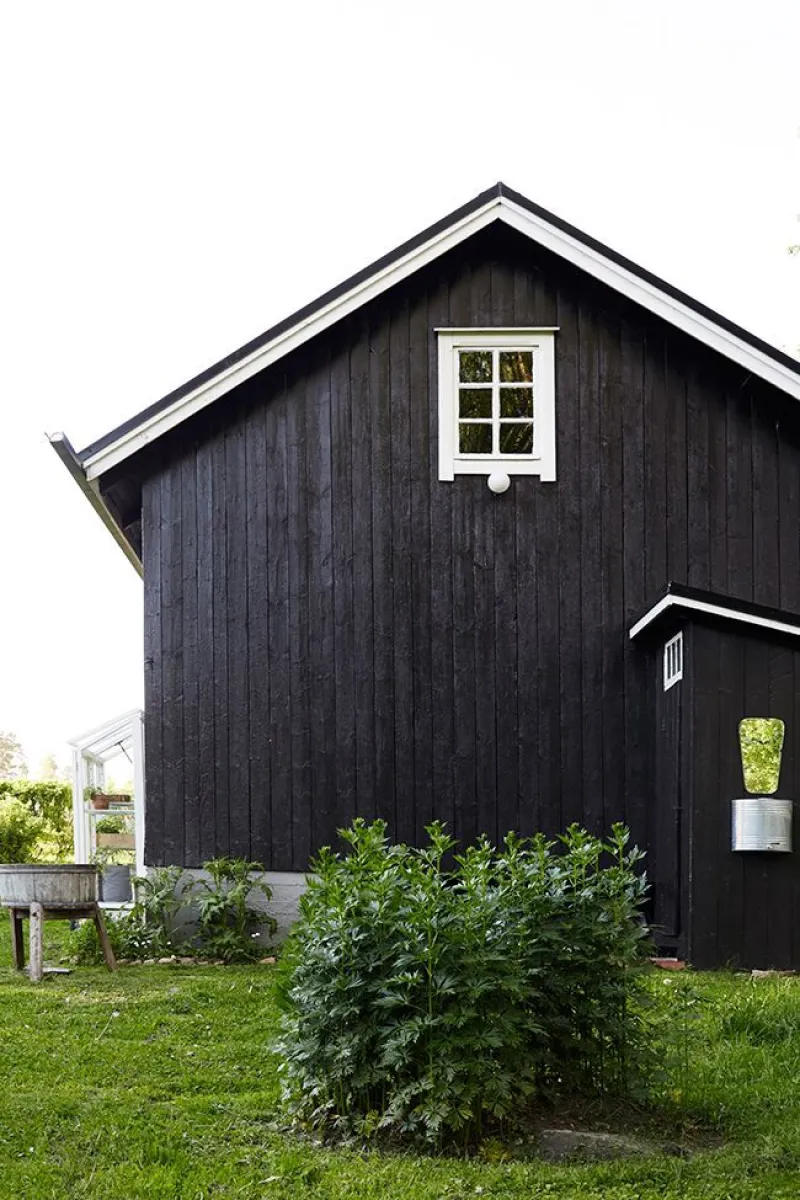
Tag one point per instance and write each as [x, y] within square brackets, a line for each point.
[501, 207]
[715, 610]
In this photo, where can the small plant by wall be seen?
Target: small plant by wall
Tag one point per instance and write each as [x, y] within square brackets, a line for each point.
[176, 914]
[432, 1001]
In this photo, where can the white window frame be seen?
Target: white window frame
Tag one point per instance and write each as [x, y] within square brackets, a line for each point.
[542, 461]
[673, 661]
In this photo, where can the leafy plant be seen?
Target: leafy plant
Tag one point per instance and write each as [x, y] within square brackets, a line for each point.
[434, 1001]
[20, 831]
[159, 899]
[115, 824]
[50, 802]
[228, 924]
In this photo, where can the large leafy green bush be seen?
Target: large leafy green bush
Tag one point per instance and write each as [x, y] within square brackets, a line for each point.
[430, 1000]
[50, 802]
[20, 831]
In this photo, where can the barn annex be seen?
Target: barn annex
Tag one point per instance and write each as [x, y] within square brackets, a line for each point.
[342, 618]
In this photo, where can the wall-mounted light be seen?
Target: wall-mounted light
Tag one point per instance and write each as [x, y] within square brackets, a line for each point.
[498, 482]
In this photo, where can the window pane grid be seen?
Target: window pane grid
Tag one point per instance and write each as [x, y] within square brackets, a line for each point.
[511, 383]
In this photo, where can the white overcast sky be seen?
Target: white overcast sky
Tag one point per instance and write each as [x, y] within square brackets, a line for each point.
[176, 177]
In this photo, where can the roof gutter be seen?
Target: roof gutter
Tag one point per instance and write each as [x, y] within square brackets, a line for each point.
[64, 449]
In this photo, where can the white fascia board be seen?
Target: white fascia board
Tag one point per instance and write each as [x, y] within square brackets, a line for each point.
[63, 449]
[501, 207]
[651, 298]
[714, 610]
[100, 733]
[289, 340]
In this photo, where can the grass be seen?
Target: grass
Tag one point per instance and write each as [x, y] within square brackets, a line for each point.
[157, 1082]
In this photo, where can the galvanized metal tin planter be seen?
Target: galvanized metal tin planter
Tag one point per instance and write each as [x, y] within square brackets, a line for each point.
[60, 884]
[762, 823]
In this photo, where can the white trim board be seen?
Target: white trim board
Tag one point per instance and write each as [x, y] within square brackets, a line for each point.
[714, 610]
[497, 208]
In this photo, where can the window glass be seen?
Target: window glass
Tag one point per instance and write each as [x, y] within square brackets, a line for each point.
[475, 402]
[516, 438]
[516, 402]
[475, 366]
[516, 366]
[475, 439]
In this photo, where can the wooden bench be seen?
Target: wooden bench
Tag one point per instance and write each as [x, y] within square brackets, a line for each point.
[37, 914]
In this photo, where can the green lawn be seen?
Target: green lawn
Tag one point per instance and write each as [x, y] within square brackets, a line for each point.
[157, 1082]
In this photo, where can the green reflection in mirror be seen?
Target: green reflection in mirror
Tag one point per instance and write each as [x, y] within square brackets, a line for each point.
[761, 744]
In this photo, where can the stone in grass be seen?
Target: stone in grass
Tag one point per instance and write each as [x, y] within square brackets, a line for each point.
[268, 961]
[561, 1145]
[771, 974]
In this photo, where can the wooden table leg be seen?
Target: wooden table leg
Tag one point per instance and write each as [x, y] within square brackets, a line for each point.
[36, 924]
[17, 944]
[102, 933]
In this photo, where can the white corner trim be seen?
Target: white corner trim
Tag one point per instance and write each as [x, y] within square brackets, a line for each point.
[497, 208]
[714, 610]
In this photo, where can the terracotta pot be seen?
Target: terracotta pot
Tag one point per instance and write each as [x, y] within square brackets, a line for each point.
[103, 799]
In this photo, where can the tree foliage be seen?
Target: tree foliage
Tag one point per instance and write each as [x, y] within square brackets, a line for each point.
[13, 764]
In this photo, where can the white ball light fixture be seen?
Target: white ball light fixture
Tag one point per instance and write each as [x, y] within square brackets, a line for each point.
[498, 482]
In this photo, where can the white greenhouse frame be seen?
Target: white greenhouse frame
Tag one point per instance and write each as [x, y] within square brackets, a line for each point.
[90, 753]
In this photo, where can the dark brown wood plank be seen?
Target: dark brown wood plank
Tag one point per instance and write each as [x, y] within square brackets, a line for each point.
[172, 650]
[153, 674]
[257, 549]
[343, 593]
[431, 570]
[402, 569]
[282, 800]
[591, 553]
[637, 674]
[321, 622]
[299, 673]
[191, 668]
[363, 591]
[219, 539]
[239, 644]
[739, 479]
[382, 578]
[205, 845]
[611, 571]
[569, 383]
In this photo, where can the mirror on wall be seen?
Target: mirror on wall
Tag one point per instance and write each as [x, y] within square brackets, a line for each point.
[761, 745]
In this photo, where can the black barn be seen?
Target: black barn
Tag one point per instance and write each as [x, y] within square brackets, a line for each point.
[342, 618]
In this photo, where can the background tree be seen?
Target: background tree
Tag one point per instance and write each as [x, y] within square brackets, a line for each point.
[12, 758]
[49, 768]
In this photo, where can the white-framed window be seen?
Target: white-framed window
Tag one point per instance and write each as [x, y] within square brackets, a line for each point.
[497, 402]
[673, 661]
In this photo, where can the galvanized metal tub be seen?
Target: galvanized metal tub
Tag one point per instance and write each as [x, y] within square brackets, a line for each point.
[762, 823]
[58, 884]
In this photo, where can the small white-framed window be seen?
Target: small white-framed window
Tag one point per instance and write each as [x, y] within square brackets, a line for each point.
[673, 661]
[497, 402]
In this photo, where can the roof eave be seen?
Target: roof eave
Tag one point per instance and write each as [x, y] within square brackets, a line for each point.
[65, 451]
[499, 203]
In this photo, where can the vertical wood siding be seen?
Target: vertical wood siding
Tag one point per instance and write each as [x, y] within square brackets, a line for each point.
[332, 632]
[742, 907]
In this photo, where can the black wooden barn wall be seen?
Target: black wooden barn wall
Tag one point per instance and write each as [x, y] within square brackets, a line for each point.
[738, 908]
[332, 632]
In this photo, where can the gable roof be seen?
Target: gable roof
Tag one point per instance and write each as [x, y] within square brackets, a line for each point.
[499, 203]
